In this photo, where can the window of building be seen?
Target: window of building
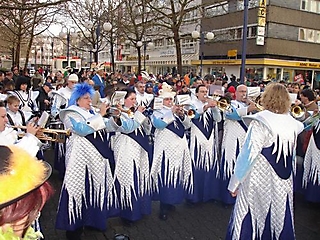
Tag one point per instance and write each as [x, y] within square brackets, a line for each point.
[318, 37]
[302, 34]
[169, 42]
[158, 43]
[217, 9]
[311, 5]
[239, 33]
[240, 5]
[310, 35]
[253, 31]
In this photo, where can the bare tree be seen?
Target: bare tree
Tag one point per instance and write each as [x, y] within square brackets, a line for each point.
[23, 23]
[94, 37]
[20, 5]
[172, 15]
[136, 19]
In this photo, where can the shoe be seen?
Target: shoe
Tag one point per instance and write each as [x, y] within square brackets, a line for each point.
[163, 217]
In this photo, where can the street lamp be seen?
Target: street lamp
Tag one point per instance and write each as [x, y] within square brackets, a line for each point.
[244, 41]
[196, 35]
[107, 27]
[66, 33]
[145, 44]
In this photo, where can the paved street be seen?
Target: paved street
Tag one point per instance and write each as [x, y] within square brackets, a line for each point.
[201, 222]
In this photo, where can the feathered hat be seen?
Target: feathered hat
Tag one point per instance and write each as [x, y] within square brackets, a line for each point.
[166, 91]
[80, 90]
[20, 174]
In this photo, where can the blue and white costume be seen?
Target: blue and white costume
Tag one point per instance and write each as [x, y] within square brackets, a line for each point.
[204, 151]
[60, 102]
[87, 192]
[263, 176]
[132, 168]
[28, 102]
[171, 170]
[311, 174]
[234, 132]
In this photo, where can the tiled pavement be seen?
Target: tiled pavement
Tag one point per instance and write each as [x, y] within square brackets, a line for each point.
[206, 221]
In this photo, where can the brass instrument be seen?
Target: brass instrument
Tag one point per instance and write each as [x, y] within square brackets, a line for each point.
[257, 103]
[189, 111]
[222, 103]
[58, 135]
[298, 111]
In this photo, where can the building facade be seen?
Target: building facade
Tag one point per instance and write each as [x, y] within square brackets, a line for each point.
[283, 39]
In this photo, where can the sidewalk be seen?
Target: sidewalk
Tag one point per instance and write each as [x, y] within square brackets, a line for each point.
[207, 221]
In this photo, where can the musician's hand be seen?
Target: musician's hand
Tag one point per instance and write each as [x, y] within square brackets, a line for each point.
[180, 111]
[46, 102]
[297, 102]
[234, 194]
[103, 108]
[32, 128]
[252, 107]
[141, 109]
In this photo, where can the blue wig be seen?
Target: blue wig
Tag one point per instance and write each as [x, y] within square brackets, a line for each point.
[80, 90]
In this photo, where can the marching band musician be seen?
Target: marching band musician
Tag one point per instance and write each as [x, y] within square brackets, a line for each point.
[62, 96]
[132, 166]
[311, 174]
[263, 173]
[61, 101]
[87, 191]
[204, 147]
[15, 115]
[9, 136]
[171, 170]
[143, 98]
[26, 96]
[233, 139]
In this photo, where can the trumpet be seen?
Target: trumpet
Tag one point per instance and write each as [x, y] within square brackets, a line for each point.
[58, 135]
[222, 103]
[298, 111]
[189, 111]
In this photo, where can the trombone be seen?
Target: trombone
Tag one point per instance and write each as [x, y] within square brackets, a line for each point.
[58, 135]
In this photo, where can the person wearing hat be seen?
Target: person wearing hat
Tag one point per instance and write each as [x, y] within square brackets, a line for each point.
[87, 192]
[61, 101]
[62, 96]
[43, 99]
[26, 96]
[98, 80]
[171, 170]
[24, 191]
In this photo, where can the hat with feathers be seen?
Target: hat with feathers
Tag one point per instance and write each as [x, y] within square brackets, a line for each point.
[166, 91]
[80, 90]
[20, 174]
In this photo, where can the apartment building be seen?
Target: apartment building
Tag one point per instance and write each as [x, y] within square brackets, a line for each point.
[283, 39]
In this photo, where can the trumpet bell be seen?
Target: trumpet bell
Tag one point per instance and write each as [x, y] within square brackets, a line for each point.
[297, 111]
[189, 111]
